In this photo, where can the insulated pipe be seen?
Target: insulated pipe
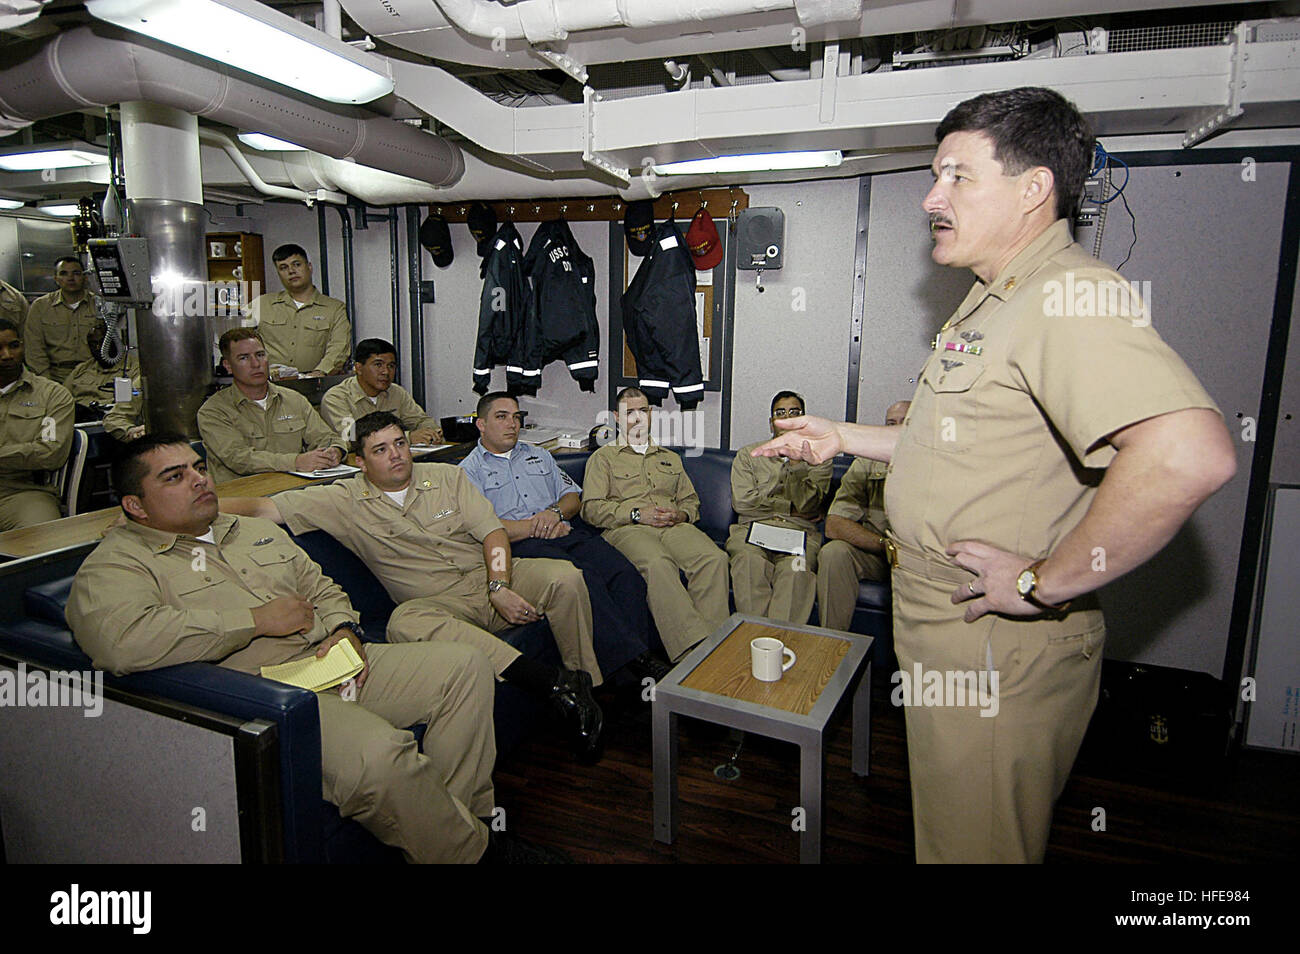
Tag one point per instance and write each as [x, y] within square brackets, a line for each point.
[160, 152]
[228, 146]
[99, 65]
[417, 309]
[393, 265]
[332, 18]
[349, 275]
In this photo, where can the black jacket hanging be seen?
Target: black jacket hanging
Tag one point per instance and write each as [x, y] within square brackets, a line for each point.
[564, 302]
[504, 317]
[659, 320]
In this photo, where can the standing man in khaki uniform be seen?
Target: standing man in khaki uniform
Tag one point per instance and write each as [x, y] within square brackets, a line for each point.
[302, 328]
[58, 323]
[13, 305]
[783, 493]
[988, 495]
[855, 535]
[640, 494]
[254, 427]
[144, 599]
[375, 364]
[91, 382]
[36, 421]
[436, 545]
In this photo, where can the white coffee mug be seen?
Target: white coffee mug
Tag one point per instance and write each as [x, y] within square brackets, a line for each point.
[765, 655]
[218, 249]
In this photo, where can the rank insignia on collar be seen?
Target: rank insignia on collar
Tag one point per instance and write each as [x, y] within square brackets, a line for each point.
[263, 542]
[426, 484]
[971, 335]
[949, 365]
[1009, 284]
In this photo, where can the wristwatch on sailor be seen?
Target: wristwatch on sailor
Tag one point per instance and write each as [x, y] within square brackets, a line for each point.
[356, 629]
[558, 512]
[636, 514]
[495, 585]
[1027, 583]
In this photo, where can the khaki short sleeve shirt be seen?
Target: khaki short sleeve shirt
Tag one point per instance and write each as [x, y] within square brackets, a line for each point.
[315, 337]
[145, 598]
[782, 493]
[418, 549]
[55, 334]
[1011, 412]
[241, 438]
[618, 480]
[36, 423]
[861, 497]
[346, 400]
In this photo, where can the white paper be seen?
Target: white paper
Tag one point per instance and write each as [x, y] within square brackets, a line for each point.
[342, 470]
[427, 448]
[778, 539]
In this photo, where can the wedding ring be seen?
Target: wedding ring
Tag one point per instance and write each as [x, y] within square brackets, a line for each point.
[970, 585]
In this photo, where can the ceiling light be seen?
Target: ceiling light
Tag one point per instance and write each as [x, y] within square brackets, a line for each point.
[253, 37]
[269, 143]
[54, 155]
[7, 204]
[758, 162]
[63, 211]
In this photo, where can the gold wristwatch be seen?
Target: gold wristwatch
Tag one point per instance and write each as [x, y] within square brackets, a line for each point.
[1027, 584]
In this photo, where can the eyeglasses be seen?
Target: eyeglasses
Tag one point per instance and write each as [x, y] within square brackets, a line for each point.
[787, 412]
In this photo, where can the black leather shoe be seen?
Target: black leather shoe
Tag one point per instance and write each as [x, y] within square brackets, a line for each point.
[506, 849]
[648, 665]
[571, 697]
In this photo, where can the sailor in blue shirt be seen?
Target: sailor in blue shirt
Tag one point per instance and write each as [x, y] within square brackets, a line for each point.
[538, 505]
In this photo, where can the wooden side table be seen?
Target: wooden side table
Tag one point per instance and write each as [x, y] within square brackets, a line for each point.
[714, 683]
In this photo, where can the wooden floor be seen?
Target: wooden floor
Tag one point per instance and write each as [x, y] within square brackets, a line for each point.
[1244, 809]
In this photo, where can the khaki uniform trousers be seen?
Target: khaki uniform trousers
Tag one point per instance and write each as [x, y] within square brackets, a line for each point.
[425, 804]
[776, 585]
[463, 613]
[983, 787]
[683, 615]
[27, 507]
[840, 568]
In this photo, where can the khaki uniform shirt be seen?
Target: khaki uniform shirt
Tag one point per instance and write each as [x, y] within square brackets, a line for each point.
[347, 400]
[36, 421]
[243, 439]
[55, 336]
[124, 415]
[145, 598]
[92, 383]
[419, 549]
[861, 497]
[996, 444]
[782, 493]
[13, 305]
[315, 337]
[618, 479]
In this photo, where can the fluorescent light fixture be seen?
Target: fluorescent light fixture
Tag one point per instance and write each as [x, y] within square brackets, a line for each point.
[269, 143]
[49, 156]
[7, 204]
[62, 211]
[253, 37]
[758, 162]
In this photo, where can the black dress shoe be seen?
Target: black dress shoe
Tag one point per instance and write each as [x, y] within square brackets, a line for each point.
[571, 697]
[648, 665]
[506, 849]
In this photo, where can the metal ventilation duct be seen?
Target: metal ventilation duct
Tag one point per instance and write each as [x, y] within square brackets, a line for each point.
[98, 66]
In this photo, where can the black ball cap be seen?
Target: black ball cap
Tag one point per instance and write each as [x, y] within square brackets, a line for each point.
[436, 238]
[482, 222]
[638, 223]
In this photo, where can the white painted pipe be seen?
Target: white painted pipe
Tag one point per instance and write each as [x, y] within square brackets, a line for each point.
[160, 153]
[227, 145]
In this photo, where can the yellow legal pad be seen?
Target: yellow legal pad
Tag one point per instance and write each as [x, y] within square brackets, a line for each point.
[340, 664]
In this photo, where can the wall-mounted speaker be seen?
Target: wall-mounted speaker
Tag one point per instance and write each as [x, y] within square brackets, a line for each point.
[760, 238]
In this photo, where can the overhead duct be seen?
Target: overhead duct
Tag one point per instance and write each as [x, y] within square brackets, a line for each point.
[99, 66]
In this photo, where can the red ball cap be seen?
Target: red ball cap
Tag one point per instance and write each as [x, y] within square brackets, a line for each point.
[702, 239]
